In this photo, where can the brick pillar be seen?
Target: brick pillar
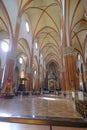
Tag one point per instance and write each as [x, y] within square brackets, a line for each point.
[1, 74]
[27, 82]
[38, 78]
[31, 79]
[77, 80]
[9, 68]
[86, 71]
[36, 81]
[46, 79]
[42, 79]
[62, 81]
[70, 68]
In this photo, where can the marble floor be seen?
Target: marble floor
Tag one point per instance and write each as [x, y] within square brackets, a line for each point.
[46, 105]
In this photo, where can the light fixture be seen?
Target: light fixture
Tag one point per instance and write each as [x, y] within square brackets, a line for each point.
[4, 45]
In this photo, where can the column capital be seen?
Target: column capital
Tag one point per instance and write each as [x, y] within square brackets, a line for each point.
[69, 51]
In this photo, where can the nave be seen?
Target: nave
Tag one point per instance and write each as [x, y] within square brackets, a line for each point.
[43, 47]
[47, 105]
[44, 106]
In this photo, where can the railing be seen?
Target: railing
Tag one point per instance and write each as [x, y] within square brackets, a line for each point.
[48, 121]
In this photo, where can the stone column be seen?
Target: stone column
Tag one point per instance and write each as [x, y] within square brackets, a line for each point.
[70, 68]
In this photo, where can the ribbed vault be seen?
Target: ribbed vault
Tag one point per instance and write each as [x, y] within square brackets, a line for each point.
[45, 17]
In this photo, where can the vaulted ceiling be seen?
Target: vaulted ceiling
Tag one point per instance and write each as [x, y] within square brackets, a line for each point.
[45, 17]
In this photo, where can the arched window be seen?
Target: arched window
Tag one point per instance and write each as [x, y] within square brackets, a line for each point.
[5, 45]
[79, 57]
[20, 60]
[27, 27]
